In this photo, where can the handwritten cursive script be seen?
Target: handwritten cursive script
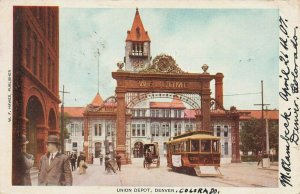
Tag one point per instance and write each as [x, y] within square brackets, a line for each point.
[289, 74]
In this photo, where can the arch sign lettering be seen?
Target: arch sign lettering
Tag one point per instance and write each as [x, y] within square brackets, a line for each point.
[160, 77]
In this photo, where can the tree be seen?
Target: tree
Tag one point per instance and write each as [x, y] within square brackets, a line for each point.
[274, 135]
[66, 122]
[252, 136]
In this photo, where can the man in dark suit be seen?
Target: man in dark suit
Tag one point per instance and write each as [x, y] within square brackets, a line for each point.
[25, 163]
[73, 158]
[54, 169]
[118, 158]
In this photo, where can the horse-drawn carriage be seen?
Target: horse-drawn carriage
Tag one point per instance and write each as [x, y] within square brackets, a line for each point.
[151, 155]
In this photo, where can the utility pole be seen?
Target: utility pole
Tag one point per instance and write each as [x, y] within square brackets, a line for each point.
[262, 114]
[62, 120]
[267, 132]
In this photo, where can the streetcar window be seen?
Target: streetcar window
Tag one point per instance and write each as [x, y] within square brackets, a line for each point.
[195, 146]
[215, 146]
[182, 146]
[174, 149]
[187, 146]
[205, 145]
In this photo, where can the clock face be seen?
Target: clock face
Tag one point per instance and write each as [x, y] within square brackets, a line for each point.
[138, 64]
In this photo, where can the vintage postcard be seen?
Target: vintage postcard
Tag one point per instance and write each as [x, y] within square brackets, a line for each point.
[149, 96]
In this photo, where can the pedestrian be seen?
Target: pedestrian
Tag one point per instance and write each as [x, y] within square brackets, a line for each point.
[118, 158]
[108, 165]
[92, 158]
[25, 162]
[81, 163]
[259, 158]
[73, 158]
[106, 159]
[101, 158]
[54, 169]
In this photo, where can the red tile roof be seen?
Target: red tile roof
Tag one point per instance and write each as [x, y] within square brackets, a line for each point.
[256, 114]
[98, 101]
[77, 112]
[175, 103]
[159, 104]
[137, 32]
[74, 111]
[244, 114]
[189, 113]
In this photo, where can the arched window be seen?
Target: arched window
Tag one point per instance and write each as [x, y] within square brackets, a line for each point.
[154, 129]
[95, 130]
[72, 130]
[225, 131]
[177, 129]
[137, 49]
[165, 129]
[98, 130]
[226, 148]
[218, 131]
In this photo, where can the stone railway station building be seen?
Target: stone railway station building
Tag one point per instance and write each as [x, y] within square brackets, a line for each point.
[130, 117]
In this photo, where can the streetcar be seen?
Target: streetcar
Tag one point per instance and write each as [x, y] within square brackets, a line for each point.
[196, 152]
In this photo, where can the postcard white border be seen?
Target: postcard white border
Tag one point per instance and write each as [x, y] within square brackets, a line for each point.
[288, 9]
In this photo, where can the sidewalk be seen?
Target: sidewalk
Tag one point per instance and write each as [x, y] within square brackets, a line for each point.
[95, 176]
[246, 174]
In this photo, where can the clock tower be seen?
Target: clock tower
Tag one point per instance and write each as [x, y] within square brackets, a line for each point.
[137, 49]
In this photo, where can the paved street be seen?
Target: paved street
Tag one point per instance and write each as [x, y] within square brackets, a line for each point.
[234, 175]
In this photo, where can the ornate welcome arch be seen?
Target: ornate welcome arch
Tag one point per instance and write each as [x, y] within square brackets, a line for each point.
[162, 76]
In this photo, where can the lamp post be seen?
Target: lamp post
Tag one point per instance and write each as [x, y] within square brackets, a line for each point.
[62, 126]
[113, 141]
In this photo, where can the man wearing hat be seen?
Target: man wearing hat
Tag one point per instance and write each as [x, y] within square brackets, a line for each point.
[54, 169]
[25, 162]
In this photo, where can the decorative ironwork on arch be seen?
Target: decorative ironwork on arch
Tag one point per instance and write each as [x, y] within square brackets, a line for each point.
[163, 64]
[133, 99]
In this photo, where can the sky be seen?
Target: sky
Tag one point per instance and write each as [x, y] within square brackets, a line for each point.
[240, 43]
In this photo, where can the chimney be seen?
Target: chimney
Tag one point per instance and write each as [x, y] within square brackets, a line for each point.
[219, 89]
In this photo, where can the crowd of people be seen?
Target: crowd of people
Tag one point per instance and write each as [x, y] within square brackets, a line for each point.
[55, 168]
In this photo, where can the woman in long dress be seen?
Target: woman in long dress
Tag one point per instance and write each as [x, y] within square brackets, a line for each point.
[81, 161]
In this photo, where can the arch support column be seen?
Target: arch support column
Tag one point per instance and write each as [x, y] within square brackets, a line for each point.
[205, 111]
[121, 126]
[235, 139]
[86, 137]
